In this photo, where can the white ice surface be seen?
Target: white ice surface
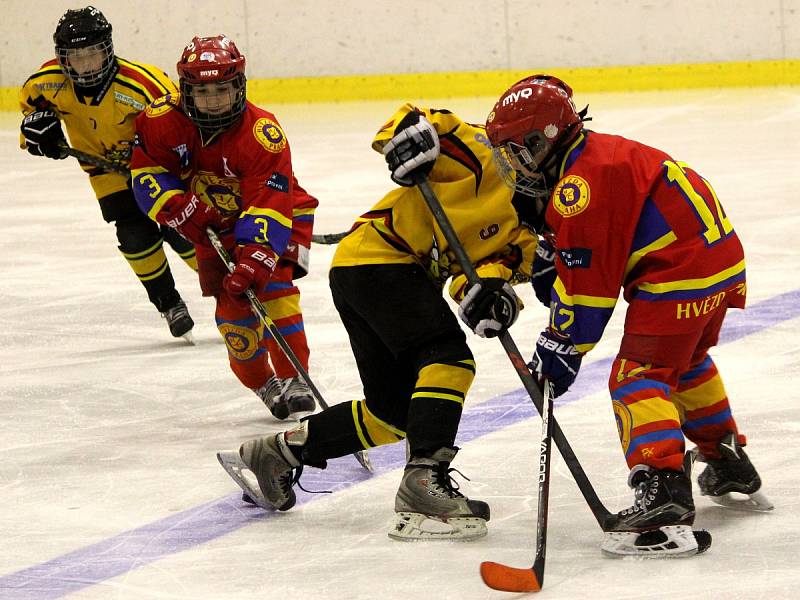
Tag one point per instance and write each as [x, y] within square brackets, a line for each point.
[110, 426]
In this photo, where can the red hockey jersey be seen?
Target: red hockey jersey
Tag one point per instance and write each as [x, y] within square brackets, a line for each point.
[245, 172]
[625, 215]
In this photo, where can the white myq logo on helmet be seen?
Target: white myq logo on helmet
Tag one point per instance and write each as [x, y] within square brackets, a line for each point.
[514, 96]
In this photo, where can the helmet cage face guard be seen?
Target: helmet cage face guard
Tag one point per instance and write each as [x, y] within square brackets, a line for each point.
[212, 82]
[202, 113]
[102, 53]
[520, 165]
[533, 186]
[83, 46]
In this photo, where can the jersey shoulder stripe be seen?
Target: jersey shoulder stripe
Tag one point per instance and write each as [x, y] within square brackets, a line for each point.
[143, 91]
[147, 75]
[49, 68]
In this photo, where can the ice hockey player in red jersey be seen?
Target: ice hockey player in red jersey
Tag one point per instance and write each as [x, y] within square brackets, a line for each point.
[208, 157]
[618, 214]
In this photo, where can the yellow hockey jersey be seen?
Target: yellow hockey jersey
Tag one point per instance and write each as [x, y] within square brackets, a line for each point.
[401, 229]
[102, 125]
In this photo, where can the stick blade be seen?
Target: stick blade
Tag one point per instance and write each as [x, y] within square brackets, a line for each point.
[509, 579]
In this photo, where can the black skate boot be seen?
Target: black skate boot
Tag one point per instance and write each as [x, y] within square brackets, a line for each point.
[733, 472]
[275, 466]
[428, 507]
[298, 395]
[179, 321]
[659, 522]
[661, 498]
[272, 396]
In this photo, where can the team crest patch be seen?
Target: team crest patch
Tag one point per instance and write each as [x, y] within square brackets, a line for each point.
[571, 196]
[159, 106]
[269, 134]
[223, 193]
[624, 421]
[242, 342]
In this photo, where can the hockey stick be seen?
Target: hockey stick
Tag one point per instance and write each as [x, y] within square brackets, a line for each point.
[607, 520]
[329, 238]
[118, 167]
[261, 313]
[510, 579]
[111, 166]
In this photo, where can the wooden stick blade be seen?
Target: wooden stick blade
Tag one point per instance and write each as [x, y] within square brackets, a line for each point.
[509, 579]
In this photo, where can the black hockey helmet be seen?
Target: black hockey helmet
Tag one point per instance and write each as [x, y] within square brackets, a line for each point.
[84, 48]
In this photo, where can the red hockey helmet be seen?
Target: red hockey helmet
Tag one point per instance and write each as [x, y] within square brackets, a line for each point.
[212, 82]
[533, 120]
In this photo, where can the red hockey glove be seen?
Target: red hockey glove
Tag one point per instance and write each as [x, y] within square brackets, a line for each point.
[190, 216]
[254, 267]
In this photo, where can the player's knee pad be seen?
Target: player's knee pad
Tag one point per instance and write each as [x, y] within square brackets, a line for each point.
[247, 357]
[240, 329]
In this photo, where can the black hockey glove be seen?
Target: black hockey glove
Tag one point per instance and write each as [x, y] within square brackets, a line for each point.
[489, 307]
[544, 271]
[556, 359]
[413, 149]
[43, 134]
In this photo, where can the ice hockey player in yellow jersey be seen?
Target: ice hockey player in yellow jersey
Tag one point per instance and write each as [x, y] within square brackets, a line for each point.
[387, 279]
[97, 95]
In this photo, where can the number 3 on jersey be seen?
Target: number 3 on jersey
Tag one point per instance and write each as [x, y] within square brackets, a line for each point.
[262, 239]
[716, 223]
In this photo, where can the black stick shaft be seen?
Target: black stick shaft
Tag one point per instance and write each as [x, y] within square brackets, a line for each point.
[603, 516]
[97, 161]
[261, 312]
[545, 460]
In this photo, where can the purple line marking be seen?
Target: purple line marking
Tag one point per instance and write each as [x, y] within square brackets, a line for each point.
[130, 550]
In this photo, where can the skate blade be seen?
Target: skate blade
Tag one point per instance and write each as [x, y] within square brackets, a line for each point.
[416, 527]
[300, 414]
[234, 466]
[755, 502]
[363, 459]
[188, 337]
[676, 541]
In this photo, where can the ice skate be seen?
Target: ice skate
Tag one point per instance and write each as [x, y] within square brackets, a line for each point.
[658, 524]
[273, 464]
[298, 395]
[732, 480]
[179, 321]
[661, 498]
[671, 541]
[272, 396]
[428, 507]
